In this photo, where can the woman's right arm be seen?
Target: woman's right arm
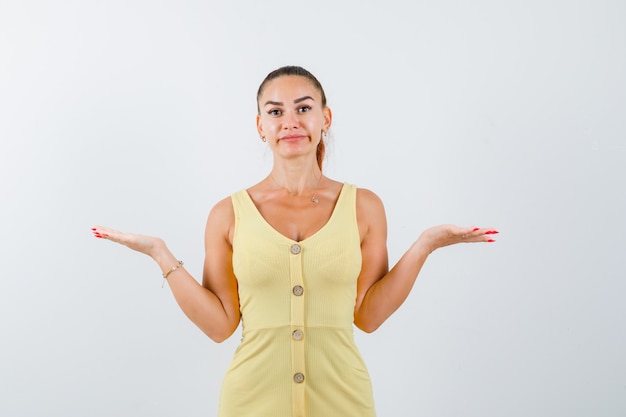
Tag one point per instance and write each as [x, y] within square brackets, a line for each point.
[214, 305]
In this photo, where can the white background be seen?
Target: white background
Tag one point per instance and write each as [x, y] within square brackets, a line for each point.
[139, 115]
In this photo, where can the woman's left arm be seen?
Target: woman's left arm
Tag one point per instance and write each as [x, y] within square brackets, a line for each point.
[381, 291]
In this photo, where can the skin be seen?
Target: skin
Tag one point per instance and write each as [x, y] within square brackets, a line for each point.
[292, 120]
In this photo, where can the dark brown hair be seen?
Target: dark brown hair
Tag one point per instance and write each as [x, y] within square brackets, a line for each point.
[301, 72]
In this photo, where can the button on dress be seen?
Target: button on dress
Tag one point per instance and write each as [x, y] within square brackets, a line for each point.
[297, 356]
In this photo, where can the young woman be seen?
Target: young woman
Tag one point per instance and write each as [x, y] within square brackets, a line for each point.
[298, 258]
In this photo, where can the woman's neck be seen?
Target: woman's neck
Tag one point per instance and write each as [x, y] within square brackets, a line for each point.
[296, 179]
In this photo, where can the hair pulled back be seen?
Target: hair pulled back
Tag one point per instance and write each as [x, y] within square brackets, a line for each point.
[301, 72]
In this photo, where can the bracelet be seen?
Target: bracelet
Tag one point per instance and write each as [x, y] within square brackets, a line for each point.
[174, 268]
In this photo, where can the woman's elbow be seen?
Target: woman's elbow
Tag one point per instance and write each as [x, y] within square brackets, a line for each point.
[219, 335]
[218, 338]
[368, 326]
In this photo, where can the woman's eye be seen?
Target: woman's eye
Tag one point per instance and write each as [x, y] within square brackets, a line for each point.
[304, 109]
[274, 112]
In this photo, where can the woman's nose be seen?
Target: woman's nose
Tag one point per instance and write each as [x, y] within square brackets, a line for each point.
[290, 121]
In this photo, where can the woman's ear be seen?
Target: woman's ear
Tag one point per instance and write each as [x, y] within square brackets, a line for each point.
[328, 118]
[259, 126]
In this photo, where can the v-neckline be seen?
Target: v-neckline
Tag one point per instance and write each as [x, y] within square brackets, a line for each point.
[318, 231]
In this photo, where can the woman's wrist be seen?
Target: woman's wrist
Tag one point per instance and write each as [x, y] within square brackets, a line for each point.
[160, 252]
[425, 244]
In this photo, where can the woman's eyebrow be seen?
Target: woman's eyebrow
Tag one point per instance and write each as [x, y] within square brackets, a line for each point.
[298, 100]
[280, 103]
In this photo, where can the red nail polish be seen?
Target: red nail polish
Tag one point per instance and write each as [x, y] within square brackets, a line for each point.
[491, 240]
[93, 228]
[476, 228]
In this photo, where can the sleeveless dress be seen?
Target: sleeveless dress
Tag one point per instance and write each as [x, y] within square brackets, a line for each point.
[297, 356]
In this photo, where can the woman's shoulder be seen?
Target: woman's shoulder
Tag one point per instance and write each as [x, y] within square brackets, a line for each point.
[225, 205]
[367, 197]
[221, 220]
[364, 196]
[369, 207]
[222, 210]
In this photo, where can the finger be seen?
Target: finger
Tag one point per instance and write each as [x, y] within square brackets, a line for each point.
[484, 231]
[105, 233]
[99, 232]
[469, 233]
[478, 234]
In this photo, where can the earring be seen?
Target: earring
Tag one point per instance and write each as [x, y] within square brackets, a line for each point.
[324, 135]
[263, 138]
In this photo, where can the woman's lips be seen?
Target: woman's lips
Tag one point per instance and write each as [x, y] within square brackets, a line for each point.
[292, 138]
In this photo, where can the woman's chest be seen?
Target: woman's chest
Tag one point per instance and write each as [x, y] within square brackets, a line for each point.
[296, 219]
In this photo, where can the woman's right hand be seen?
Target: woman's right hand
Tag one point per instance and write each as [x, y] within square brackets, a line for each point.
[148, 245]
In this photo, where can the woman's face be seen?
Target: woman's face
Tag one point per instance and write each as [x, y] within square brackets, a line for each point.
[292, 116]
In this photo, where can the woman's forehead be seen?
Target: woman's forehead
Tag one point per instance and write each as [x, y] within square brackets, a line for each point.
[289, 87]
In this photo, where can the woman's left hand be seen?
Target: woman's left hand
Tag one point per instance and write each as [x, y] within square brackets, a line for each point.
[148, 245]
[448, 234]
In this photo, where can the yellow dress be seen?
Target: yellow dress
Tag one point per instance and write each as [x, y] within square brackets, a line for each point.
[297, 356]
